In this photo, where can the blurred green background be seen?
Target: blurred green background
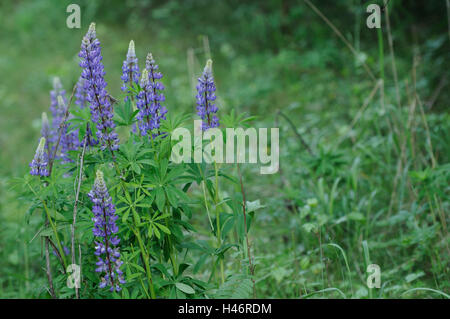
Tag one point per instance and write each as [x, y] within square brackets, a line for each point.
[269, 56]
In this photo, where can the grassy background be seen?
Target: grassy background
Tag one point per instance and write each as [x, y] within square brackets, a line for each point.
[381, 182]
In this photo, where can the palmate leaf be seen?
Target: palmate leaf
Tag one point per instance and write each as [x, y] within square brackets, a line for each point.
[236, 120]
[174, 121]
[174, 173]
[124, 114]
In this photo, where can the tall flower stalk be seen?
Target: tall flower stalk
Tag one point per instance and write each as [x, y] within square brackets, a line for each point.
[155, 96]
[206, 107]
[149, 100]
[95, 86]
[105, 228]
[207, 110]
[130, 69]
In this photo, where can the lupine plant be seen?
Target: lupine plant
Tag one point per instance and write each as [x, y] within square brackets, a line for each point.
[123, 205]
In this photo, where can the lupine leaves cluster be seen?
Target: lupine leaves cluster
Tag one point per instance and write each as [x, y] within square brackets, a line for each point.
[129, 224]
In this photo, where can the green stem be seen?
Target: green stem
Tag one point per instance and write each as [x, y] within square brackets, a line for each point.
[381, 52]
[219, 235]
[173, 257]
[204, 198]
[146, 258]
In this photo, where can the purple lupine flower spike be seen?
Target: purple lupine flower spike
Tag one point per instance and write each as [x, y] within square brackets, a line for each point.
[105, 228]
[157, 109]
[81, 94]
[130, 69]
[39, 163]
[149, 99]
[95, 86]
[206, 108]
[142, 103]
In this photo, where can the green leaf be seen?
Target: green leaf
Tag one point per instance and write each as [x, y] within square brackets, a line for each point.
[163, 168]
[148, 162]
[157, 233]
[174, 173]
[138, 267]
[125, 216]
[227, 226]
[150, 231]
[163, 228]
[160, 198]
[185, 288]
[136, 168]
[124, 114]
[414, 276]
[136, 217]
[252, 206]
[172, 196]
[356, 216]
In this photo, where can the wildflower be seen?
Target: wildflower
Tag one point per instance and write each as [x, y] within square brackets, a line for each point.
[105, 229]
[80, 94]
[206, 108]
[39, 163]
[130, 69]
[95, 86]
[149, 99]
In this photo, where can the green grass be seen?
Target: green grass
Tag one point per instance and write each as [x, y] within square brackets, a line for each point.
[378, 188]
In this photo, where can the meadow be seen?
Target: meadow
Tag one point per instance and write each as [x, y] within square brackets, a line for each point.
[363, 150]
